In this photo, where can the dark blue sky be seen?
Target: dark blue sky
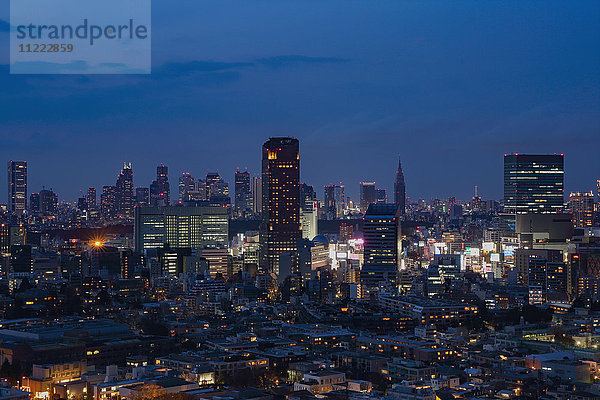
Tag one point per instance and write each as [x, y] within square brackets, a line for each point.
[449, 85]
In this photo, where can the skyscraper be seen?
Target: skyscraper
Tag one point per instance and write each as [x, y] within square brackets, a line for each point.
[257, 195]
[187, 184]
[142, 197]
[124, 201]
[280, 228]
[383, 246]
[368, 195]
[217, 187]
[308, 212]
[160, 192]
[108, 202]
[400, 189]
[17, 186]
[581, 206]
[91, 197]
[335, 201]
[243, 195]
[382, 196]
[48, 202]
[533, 183]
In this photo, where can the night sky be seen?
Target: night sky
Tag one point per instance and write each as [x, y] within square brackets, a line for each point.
[449, 85]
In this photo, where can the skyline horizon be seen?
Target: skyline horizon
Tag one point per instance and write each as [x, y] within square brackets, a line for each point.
[353, 193]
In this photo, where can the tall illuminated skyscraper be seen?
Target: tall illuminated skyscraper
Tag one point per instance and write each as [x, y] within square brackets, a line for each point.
[400, 189]
[124, 200]
[243, 195]
[17, 186]
[160, 191]
[108, 202]
[280, 227]
[533, 183]
[91, 197]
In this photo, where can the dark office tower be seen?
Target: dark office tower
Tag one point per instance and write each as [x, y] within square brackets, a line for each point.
[202, 189]
[243, 195]
[280, 228]
[91, 197]
[533, 183]
[368, 195]
[400, 189]
[48, 202]
[581, 206]
[34, 202]
[142, 197]
[334, 201]
[382, 247]
[17, 186]
[82, 204]
[160, 192]
[309, 218]
[307, 197]
[217, 187]
[257, 195]
[382, 196]
[187, 184]
[108, 202]
[124, 196]
[212, 177]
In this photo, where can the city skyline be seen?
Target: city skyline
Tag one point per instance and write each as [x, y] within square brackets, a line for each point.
[451, 87]
[350, 191]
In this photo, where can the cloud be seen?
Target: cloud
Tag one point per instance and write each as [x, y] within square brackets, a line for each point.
[290, 60]
[179, 69]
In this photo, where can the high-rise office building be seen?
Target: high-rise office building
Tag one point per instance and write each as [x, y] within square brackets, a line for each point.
[142, 197]
[193, 227]
[34, 202]
[91, 197]
[368, 195]
[48, 202]
[581, 206]
[308, 212]
[218, 189]
[382, 247]
[280, 227]
[335, 201]
[187, 184]
[160, 191]
[382, 196]
[533, 183]
[124, 201]
[257, 195]
[400, 189]
[17, 187]
[108, 203]
[243, 195]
